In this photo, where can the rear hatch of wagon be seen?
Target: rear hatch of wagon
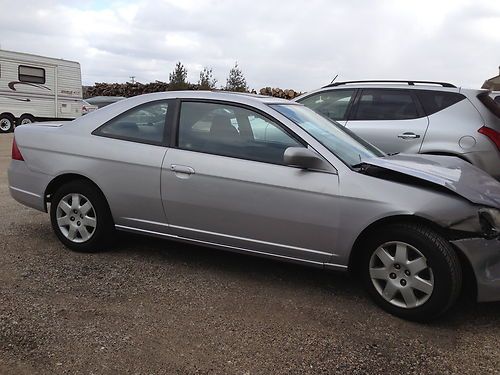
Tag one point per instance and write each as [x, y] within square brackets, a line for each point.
[490, 113]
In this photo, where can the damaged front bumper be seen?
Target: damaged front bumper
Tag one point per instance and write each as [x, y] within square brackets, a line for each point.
[484, 257]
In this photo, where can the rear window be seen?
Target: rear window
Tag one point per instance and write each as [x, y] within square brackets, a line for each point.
[489, 103]
[435, 101]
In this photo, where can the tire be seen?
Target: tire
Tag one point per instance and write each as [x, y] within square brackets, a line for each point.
[431, 273]
[69, 217]
[25, 119]
[7, 123]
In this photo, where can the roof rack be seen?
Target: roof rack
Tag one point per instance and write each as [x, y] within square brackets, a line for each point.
[411, 83]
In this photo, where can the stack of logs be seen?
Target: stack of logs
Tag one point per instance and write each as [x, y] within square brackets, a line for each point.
[279, 93]
[133, 89]
[127, 89]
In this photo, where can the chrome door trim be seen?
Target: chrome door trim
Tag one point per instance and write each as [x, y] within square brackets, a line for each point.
[25, 192]
[213, 244]
[146, 221]
[228, 236]
[255, 241]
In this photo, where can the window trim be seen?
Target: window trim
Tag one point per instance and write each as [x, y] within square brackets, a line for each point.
[350, 106]
[418, 105]
[167, 129]
[31, 67]
[175, 137]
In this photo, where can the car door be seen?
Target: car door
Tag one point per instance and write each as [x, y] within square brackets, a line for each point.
[127, 154]
[391, 119]
[333, 104]
[226, 183]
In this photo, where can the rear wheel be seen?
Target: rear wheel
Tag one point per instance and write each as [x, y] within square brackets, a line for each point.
[411, 271]
[26, 119]
[80, 217]
[6, 122]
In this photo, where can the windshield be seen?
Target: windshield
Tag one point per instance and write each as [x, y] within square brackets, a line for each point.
[347, 146]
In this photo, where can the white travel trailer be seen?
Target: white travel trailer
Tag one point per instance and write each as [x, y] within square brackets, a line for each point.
[36, 88]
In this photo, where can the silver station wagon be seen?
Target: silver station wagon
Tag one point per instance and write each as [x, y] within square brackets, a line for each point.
[422, 117]
[266, 177]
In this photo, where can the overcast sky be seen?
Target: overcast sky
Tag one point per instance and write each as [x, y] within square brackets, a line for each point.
[300, 44]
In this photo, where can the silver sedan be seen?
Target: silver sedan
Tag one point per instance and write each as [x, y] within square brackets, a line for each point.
[266, 177]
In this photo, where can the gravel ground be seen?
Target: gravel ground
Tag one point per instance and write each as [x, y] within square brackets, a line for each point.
[148, 306]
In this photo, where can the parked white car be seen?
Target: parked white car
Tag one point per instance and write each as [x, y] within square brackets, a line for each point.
[87, 107]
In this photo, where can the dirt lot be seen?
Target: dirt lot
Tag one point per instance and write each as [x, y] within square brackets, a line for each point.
[152, 307]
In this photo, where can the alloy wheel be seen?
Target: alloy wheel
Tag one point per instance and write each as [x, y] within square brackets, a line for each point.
[76, 218]
[401, 274]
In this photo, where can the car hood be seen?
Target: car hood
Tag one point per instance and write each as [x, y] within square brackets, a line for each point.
[450, 172]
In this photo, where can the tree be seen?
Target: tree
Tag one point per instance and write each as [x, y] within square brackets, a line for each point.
[178, 78]
[236, 81]
[207, 80]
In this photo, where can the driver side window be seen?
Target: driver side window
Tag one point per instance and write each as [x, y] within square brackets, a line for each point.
[232, 131]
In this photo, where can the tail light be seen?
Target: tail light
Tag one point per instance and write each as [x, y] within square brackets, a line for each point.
[491, 134]
[16, 154]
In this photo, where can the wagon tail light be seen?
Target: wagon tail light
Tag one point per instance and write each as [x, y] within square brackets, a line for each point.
[491, 134]
[16, 154]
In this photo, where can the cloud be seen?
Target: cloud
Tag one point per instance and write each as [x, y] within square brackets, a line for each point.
[297, 44]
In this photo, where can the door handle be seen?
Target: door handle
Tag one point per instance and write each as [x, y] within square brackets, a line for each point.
[408, 135]
[181, 169]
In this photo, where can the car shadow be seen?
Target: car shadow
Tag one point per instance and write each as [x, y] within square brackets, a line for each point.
[293, 275]
[258, 268]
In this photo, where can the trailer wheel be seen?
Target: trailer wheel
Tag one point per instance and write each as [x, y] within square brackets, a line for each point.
[26, 119]
[6, 122]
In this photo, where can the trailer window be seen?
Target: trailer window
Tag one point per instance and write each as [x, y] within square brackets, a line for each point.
[31, 74]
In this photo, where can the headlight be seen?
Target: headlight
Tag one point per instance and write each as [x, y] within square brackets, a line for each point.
[489, 218]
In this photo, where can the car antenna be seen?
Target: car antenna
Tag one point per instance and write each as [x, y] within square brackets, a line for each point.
[334, 78]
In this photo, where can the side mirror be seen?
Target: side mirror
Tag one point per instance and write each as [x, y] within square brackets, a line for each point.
[305, 159]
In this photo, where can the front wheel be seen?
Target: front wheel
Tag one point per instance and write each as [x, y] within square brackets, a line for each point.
[80, 217]
[411, 271]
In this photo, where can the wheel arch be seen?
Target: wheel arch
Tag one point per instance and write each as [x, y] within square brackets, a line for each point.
[62, 179]
[357, 249]
[27, 115]
[7, 114]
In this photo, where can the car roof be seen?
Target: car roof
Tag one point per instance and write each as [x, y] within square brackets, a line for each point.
[114, 109]
[394, 85]
[243, 98]
[405, 86]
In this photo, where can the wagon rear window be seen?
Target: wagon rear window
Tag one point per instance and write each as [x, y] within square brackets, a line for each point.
[31, 74]
[435, 101]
